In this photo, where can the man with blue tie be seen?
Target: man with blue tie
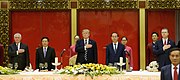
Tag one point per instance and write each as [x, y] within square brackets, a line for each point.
[86, 49]
[45, 55]
[171, 72]
[114, 50]
[162, 48]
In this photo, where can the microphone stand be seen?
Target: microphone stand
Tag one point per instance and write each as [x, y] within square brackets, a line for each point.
[62, 57]
[61, 61]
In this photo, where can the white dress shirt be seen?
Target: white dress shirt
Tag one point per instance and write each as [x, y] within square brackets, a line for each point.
[166, 41]
[172, 70]
[87, 43]
[18, 47]
[115, 48]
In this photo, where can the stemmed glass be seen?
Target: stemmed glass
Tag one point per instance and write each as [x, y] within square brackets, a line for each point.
[10, 65]
[16, 66]
[46, 65]
[41, 66]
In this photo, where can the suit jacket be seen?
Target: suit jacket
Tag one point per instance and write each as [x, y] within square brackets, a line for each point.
[150, 56]
[111, 56]
[162, 56]
[166, 73]
[92, 54]
[178, 44]
[50, 57]
[22, 58]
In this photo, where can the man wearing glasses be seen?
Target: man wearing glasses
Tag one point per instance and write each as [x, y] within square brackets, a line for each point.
[162, 48]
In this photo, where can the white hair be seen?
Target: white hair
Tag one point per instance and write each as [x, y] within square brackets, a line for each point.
[17, 35]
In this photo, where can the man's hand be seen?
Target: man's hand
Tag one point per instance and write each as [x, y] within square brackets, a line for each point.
[166, 47]
[88, 46]
[21, 50]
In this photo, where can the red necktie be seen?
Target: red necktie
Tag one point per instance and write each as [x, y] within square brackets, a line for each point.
[175, 73]
[164, 42]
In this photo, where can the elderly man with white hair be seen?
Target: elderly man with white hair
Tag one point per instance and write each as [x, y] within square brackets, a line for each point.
[18, 53]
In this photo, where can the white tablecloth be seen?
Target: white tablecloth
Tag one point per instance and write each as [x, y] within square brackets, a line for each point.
[135, 75]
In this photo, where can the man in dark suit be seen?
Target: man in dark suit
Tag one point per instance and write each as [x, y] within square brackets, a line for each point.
[171, 72]
[114, 50]
[45, 55]
[162, 48]
[18, 53]
[178, 44]
[149, 52]
[86, 49]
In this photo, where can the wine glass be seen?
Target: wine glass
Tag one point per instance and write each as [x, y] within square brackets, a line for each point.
[41, 66]
[16, 66]
[46, 65]
[110, 64]
[10, 65]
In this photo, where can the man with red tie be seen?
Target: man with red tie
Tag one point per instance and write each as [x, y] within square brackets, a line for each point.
[162, 48]
[171, 72]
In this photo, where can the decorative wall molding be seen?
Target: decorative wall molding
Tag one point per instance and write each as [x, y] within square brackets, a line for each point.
[4, 33]
[39, 4]
[108, 4]
[163, 4]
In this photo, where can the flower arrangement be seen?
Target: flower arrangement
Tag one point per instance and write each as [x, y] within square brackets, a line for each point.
[153, 67]
[89, 69]
[6, 71]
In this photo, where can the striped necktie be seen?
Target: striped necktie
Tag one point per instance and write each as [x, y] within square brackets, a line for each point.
[85, 55]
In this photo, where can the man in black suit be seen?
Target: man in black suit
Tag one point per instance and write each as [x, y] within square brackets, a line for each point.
[171, 72]
[162, 48]
[18, 53]
[114, 50]
[86, 49]
[45, 55]
[149, 51]
[178, 44]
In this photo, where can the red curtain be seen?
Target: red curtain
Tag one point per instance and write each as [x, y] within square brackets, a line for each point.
[158, 19]
[103, 22]
[33, 25]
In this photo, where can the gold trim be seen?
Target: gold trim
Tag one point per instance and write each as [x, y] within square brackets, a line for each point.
[163, 4]
[73, 24]
[39, 4]
[142, 38]
[108, 4]
[4, 33]
[7, 5]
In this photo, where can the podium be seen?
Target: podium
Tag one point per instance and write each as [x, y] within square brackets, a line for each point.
[1, 54]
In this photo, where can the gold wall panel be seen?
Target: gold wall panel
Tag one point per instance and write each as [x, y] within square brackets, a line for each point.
[4, 32]
[163, 4]
[39, 4]
[107, 4]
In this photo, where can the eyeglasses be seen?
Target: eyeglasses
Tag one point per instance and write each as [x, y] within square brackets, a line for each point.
[164, 32]
[114, 36]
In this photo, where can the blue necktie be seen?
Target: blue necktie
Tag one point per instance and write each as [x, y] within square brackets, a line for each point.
[115, 48]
